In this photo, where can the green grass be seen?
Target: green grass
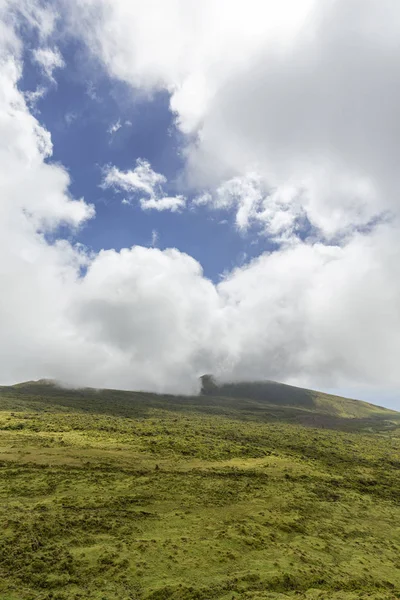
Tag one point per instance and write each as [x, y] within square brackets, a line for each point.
[114, 495]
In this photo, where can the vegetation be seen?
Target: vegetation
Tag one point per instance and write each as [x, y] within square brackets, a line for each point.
[265, 491]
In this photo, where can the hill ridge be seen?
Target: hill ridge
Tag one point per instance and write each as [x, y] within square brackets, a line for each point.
[274, 392]
[262, 401]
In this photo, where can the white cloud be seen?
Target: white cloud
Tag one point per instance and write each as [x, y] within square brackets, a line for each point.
[148, 319]
[317, 117]
[35, 275]
[172, 203]
[295, 315]
[30, 185]
[143, 180]
[276, 212]
[282, 129]
[201, 43]
[49, 59]
[320, 313]
[292, 107]
[303, 93]
[37, 15]
[32, 98]
[115, 127]
[154, 238]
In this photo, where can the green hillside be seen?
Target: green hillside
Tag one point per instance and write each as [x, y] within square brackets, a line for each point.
[280, 394]
[250, 491]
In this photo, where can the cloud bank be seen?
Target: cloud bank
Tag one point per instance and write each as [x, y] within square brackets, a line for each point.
[290, 115]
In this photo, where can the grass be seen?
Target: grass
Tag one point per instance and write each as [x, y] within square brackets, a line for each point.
[113, 495]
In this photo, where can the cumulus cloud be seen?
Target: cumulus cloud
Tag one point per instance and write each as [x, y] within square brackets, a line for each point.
[143, 180]
[36, 189]
[34, 200]
[153, 321]
[291, 110]
[278, 213]
[318, 117]
[303, 93]
[321, 313]
[172, 203]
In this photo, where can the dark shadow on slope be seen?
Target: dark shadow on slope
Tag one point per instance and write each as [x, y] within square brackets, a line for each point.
[269, 392]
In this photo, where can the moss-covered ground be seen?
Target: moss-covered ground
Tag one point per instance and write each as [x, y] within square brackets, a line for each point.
[114, 496]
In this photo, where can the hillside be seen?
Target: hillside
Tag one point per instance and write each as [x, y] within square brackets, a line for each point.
[283, 395]
[259, 491]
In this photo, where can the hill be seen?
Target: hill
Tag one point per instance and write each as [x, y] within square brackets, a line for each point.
[283, 395]
[246, 491]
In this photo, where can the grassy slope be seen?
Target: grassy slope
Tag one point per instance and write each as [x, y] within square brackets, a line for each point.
[114, 495]
[280, 394]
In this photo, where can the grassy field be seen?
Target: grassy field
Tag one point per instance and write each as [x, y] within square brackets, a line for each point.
[115, 495]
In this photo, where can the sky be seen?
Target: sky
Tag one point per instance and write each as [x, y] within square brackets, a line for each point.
[201, 187]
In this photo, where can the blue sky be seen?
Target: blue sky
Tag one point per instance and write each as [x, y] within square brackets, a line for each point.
[239, 159]
[79, 110]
